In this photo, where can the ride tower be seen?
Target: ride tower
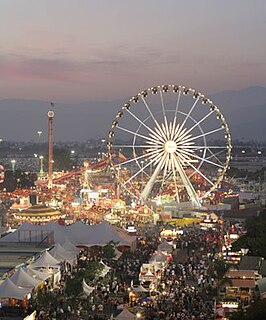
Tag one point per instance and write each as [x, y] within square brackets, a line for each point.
[50, 147]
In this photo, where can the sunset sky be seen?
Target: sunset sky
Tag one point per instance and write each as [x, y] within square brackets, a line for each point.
[77, 50]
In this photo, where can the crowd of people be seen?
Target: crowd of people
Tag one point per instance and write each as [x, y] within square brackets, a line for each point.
[184, 292]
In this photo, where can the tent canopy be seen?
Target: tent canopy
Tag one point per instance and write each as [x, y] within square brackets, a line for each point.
[42, 275]
[126, 315]
[61, 254]
[77, 234]
[140, 288]
[22, 279]
[70, 247]
[165, 246]
[9, 290]
[87, 290]
[46, 261]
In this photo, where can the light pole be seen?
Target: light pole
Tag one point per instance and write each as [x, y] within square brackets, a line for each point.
[39, 134]
[142, 164]
[13, 162]
[41, 165]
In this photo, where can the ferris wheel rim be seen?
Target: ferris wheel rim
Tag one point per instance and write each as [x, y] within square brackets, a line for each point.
[177, 89]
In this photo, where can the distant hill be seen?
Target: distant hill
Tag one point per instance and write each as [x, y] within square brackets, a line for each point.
[245, 111]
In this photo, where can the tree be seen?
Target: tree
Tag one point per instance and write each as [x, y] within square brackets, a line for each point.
[109, 251]
[62, 159]
[254, 239]
[10, 182]
[256, 311]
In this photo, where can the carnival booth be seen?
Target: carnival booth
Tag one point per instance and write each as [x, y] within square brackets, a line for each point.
[165, 247]
[126, 315]
[62, 255]
[48, 263]
[22, 279]
[87, 290]
[13, 295]
[148, 273]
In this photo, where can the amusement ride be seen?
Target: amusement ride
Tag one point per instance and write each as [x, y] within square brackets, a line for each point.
[169, 142]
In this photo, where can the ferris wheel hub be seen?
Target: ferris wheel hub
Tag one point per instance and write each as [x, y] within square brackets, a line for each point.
[170, 146]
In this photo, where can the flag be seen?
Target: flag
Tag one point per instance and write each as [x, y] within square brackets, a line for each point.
[121, 157]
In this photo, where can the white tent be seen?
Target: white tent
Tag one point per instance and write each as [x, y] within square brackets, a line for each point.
[9, 290]
[159, 257]
[87, 290]
[103, 233]
[61, 254]
[22, 279]
[105, 270]
[46, 261]
[118, 254]
[69, 246]
[126, 315]
[165, 246]
[77, 234]
[42, 275]
[140, 289]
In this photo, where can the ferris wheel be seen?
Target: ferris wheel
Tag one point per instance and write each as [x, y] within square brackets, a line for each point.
[169, 141]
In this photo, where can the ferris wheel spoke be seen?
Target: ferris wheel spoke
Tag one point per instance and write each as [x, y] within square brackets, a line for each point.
[203, 135]
[158, 127]
[158, 156]
[177, 104]
[164, 172]
[146, 191]
[146, 155]
[206, 147]
[198, 171]
[143, 124]
[190, 154]
[172, 129]
[214, 155]
[136, 134]
[166, 130]
[134, 146]
[186, 182]
[158, 138]
[188, 114]
[175, 177]
[161, 132]
[197, 124]
[176, 131]
[162, 104]
[149, 110]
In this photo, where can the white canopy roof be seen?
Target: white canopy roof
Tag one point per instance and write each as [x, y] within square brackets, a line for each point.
[69, 246]
[46, 261]
[159, 257]
[105, 270]
[86, 288]
[118, 254]
[140, 288]
[22, 279]
[59, 253]
[77, 234]
[149, 274]
[165, 246]
[36, 274]
[9, 290]
[126, 315]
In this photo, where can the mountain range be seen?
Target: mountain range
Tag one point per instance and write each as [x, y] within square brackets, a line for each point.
[245, 112]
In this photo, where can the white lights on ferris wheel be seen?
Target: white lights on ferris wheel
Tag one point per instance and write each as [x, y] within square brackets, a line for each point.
[181, 139]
